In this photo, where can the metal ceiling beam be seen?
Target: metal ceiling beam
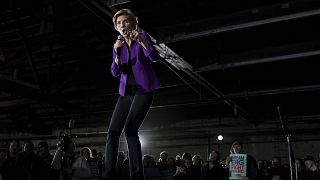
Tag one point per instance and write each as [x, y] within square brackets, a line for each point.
[170, 135]
[25, 89]
[96, 7]
[181, 65]
[26, 47]
[181, 36]
[4, 78]
[68, 80]
[288, 52]
[16, 102]
[315, 87]
[244, 94]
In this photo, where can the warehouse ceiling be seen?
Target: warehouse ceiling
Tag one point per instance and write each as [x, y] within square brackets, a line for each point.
[237, 66]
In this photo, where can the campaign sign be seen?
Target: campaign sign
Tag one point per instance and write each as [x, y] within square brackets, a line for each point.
[238, 166]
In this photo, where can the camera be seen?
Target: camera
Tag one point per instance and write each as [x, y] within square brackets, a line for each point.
[64, 140]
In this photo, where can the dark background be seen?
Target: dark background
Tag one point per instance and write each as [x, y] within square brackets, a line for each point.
[226, 65]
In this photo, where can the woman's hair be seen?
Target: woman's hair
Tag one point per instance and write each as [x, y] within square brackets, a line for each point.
[126, 12]
[88, 149]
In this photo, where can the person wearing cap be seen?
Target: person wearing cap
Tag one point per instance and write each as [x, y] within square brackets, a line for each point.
[252, 167]
[312, 171]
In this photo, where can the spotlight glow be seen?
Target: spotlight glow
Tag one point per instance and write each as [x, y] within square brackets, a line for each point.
[142, 141]
[220, 137]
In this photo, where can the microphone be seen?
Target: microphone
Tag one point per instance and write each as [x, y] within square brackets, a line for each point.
[120, 37]
[118, 49]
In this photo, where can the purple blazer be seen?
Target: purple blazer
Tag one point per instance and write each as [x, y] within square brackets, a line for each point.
[141, 61]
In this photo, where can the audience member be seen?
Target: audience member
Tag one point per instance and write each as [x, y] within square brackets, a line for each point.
[29, 165]
[212, 169]
[93, 164]
[277, 168]
[252, 167]
[68, 163]
[122, 166]
[46, 159]
[312, 171]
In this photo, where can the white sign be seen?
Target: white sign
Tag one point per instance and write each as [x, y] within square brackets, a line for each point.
[237, 166]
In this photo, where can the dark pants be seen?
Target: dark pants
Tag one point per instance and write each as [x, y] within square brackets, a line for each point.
[129, 114]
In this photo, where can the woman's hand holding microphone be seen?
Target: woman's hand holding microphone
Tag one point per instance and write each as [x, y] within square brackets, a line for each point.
[117, 46]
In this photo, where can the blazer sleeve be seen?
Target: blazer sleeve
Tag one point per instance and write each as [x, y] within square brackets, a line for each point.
[152, 53]
[115, 69]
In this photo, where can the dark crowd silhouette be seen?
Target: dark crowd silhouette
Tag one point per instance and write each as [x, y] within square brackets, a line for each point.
[24, 161]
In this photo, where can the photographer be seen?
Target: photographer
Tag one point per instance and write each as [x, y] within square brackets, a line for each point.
[68, 164]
